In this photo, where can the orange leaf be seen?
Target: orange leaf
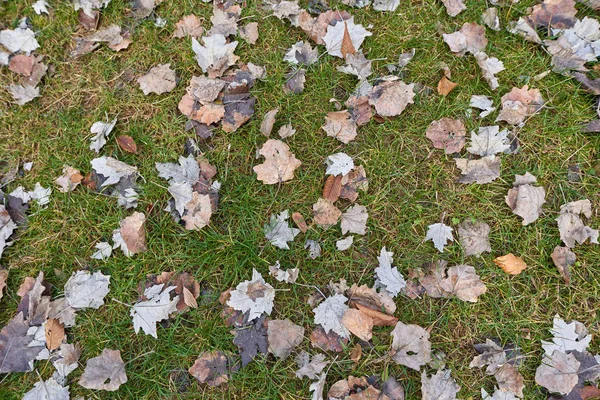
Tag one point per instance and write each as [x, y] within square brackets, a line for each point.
[511, 264]
[300, 221]
[55, 333]
[445, 86]
[356, 353]
[333, 188]
[127, 144]
[347, 45]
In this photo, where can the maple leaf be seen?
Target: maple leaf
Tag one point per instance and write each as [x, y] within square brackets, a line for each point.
[255, 297]
[336, 33]
[461, 281]
[526, 200]
[339, 164]
[391, 97]
[294, 81]
[325, 213]
[387, 277]
[558, 372]
[23, 94]
[572, 228]
[329, 314]
[40, 194]
[308, 366]
[483, 103]
[481, 171]
[563, 258]
[189, 25]
[105, 372]
[160, 79]
[286, 131]
[329, 341]
[488, 141]
[317, 387]
[302, 53]
[440, 386]
[69, 180]
[519, 104]
[469, 39]
[498, 395]
[491, 355]
[283, 336]
[17, 352]
[159, 306]
[212, 368]
[448, 134]
[474, 237]
[340, 125]
[354, 220]
[439, 234]
[216, 55]
[47, 390]
[251, 339]
[21, 39]
[224, 22]
[410, 346]
[188, 170]
[279, 232]
[511, 264]
[86, 290]
[567, 337]
[279, 165]
[288, 275]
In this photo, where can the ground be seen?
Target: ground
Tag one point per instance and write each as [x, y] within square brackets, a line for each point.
[411, 185]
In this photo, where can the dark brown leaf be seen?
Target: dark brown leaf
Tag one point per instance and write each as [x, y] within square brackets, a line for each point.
[332, 188]
[300, 221]
[127, 144]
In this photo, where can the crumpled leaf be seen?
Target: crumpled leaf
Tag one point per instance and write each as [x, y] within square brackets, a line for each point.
[490, 18]
[317, 387]
[19, 40]
[385, 5]
[448, 134]
[387, 277]
[132, 233]
[410, 346]
[567, 337]
[249, 32]
[488, 141]
[3, 278]
[286, 131]
[558, 372]
[302, 53]
[23, 94]
[308, 366]
[289, 275]
[490, 66]
[212, 368]
[66, 361]
[340, 125]
[294, 81]
[519, 104]
[86, 290]
[47, 390]
[358, 323]
[571, 226]
[158, 307]
[279, 164]
[255, 297]
[40, 194]
[329, 341]
[216, 55]
[189, 25]
[343, 31]
[490, 354]
[440, 386]
[553, 14]
[69, 180]
[367, 299]
[483, 103]
[16, 350]
[314, 249]
[160, 79]
[563, 258]
[325, 214]
[251, 339]
[469, 39]
[7, 227]
[339, 164]
[329, 315]
[279, 232]
[474, 237]
[354, 220]
[439, 234]
[390, 98]
[268, 121]
[116, 39]
[454, 7]
[511, 264]
[105, 372]
[283, 337]
[480, 171]
[344, 244]
[526, 200]
[461, 281]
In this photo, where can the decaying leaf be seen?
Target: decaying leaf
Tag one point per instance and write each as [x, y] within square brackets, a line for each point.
[86, 290]
[445, 86]
[519, 104]
[19, 40]
[511, 264]
[448, 134]
[327, 341]
[127, 144]
[212, 368]
[325, 214]
[69, 180]
[249, 32]
[3, 278]
[410, 346]
[268, 121]
[354, 220]
[188, 26]
[554, 14]
[255, 297]
[55, 333]
[156, 308]
[345, 243]
[558, 372]
[17, 352]
[490, 66]
[488, 141]
[339, 164]
[526, 200]
[251, 339]
[390, 98]
[294, 81]
[480, 171]
[300, 221]
[454, 7]
[490, 18]
[483, 103]
[308, 366]
[340, 125]
[283, 337]
[358, 323]
[440, 386]
[288, 275]
[563, 258]
[329, 315]
[314, 249]
[216, 55]
[342, 36]
[333, 188]
[105, 372]
[474, 237]
[469, 39]
[116, 39]
[286, 131]
[387, 277]
[101, 130]
[160, 79]
[572, 228]
[439, 234]
[358, 65]
[47, 390]
[461, 281]
[279, 165]
[302, 53]
[23, 94]
[567, 337]
[133, 233]
[279, 232]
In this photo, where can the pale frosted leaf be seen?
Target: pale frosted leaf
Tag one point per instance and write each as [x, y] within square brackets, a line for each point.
[339, 164]
[439, 234]
[480, 171]
[558, 372]
[345, 243]
[23, 94]
[483, 103]
[354, 220]
[187, 171]
[41, 194]
[488, 141]
[389, 277]
[113, 170]
[40, 7]
[216, 55]
[160, 79]
[526, 200]
[567, 337]
[48, 390]
[101, 131]
[289, 275]
[410, 346]
[474, 237]
[385, 5]
[254, 297]
[329, 315]
[308, 366]
[158, 307]
[279, 232]
[335, 35]
[440, 386]
[19, 40]
[301, 53]
[86, 290]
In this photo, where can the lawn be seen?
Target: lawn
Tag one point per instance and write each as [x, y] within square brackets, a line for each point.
[411, 185]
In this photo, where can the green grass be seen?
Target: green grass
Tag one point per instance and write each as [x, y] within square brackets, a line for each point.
[411, 185]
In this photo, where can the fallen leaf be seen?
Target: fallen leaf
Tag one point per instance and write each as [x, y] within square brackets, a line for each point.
[308, 366]
[314, 248]
[410, 346]
[17, 351]
[299, 221]
[483, 103]
[510, 380]
[3, 278]
[554, 14]
[358, 323]
[355, 355]
[454, 7]
[69, 180]
[301, 53]
[345, 34]
[339, 164]
[86, 290]
[133, 232]
[333, 188]
[216, 55]
[358, 65]
[22, 64]
[481, 171]
[329, 315]
[212, 368]
[439, 234]
[347, 48]
[160, 79]
[294, 81]
[23, 94]
[461, 281]
[448, 134]
[567, 337]
[268, 121]
[157, 307]
[526, 200]
[188, 26]
[255, 297]
[101, 130]
[490, 354]
[283, 337]
[387, 277]
[469, 39]
[474, 237]
[511, 264]
[563, 258]
[251, 339]
[325, 214]
[55, 333]
[329, 341]
[19, 40]
[519, 104]
[488, 141]
[490, 66]
[440, 386]
[445, 86]
[249, 32]
[390, 98]
[572, 228]
[340, 125]
[558, 372]
[354, 220]
[286, 131]
[47, 390]
[288, 275]
[279, 232]
[279, 165]
[353, 182]
[127, 144]
[105, 372]
[344, 244]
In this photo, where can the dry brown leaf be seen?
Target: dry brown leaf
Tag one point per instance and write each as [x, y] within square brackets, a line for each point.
[563, 258]
[3, 278]
[249, 32]
[189, 299]
[445, 86]
[268, 121]
[372, 299]
[325, 213]
[332, 188]
[526, 200]
[410, 346]
[480, 171]
[360, 109]
[469, 39]
[160, 79]
[390, 98]
[510, 379]
[454, 7]
[379, 318]
[355, 354]
[327, 341]
[461, 281]
[448, 134]
[511, 264]
[89, 22]
[55, 333]
[558, 14]
[212, 368]
[22, 64]
[358, 323]
[133, 232]
[283, 337]
[300, 221]
[127, 144]
[354, 181]
[188, 26]
[69, 180]
[105, 372]
[279, 165]
[519, 104]
[340, 125]
[347, 45]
